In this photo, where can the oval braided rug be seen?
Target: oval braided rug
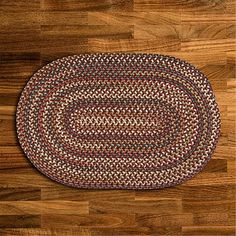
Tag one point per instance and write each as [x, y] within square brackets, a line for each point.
[131, 121]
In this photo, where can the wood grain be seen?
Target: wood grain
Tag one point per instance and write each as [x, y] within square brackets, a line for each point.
[33, 33]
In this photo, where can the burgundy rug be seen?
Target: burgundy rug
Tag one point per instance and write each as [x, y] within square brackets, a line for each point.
[128, 121]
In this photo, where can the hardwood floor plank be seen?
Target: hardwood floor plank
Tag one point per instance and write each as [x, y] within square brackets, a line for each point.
[14, 84]
[231, 57]
[20, 41]
[223, 113]
[121, 231]
[228, 126]
[204, 31]
[65, 193]
[18, 6]
[217, 85]
[7, 132]
[230, 6]
[133, 45]
[230, 137]
[15, 68]
[37, 18]
[88, 221]
[197, 206]
[88, 31]
[199, 58]
[20, 194]
[159, 31]
[211, 179]
[231, 30]
[231, 86]
[231, 220]
[66, 45]
[10, 150]
[32, 41]
[186, 6]
[7, 112]
[219, 73]
[25, 180]
[63, 18]
[208, 230]
[163, 205]
[87, 5]
[164, 219]
[207, 17]
[9, 99]
[207, 192]
[216, 219]
[133, 18]
[223, 98]
[14, 162]
[20, 221]
[231, 112]
[29, 19]
[43, 207]
[228, 155]
[216, 165]
[44, 232]
[205, 45]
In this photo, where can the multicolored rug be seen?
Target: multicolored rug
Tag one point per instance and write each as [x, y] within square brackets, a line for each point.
[128, 121]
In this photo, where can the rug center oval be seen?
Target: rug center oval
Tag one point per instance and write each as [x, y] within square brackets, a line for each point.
[134, 122]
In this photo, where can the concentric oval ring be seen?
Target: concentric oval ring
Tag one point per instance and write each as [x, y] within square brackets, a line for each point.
[118, 120]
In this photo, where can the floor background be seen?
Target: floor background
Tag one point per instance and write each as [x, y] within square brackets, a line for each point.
[33, 33]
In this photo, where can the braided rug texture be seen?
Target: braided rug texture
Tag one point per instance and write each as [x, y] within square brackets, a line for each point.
[113, 120]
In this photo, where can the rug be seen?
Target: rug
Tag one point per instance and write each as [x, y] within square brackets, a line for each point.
[118, 121]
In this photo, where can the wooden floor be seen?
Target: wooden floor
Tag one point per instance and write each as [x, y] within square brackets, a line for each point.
[35, 32]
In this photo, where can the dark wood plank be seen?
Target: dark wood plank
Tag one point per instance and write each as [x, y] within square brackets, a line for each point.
[17, 6]
[88, 31]
[7, 129]
[20, 221]
[23, 39]
[216, 165]
[16, 68]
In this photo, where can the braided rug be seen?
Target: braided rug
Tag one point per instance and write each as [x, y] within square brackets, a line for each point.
[113, 120]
